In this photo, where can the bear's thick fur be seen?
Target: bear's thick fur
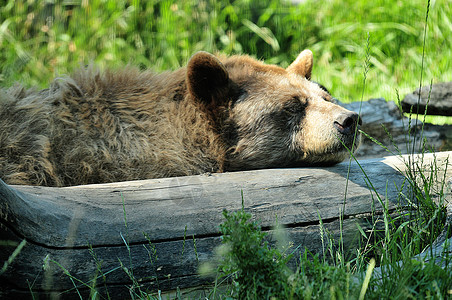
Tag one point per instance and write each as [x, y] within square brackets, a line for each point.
[214, 115]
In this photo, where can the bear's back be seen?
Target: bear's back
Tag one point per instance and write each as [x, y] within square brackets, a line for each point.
[103, 127]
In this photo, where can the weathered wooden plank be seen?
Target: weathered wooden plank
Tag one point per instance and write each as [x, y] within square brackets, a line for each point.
[174, 265]
[60, 223]
[65, 217]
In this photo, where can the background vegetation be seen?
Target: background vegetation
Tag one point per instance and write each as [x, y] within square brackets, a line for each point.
[43, 39]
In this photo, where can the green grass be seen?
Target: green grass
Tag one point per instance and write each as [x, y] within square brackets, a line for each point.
[40, 40]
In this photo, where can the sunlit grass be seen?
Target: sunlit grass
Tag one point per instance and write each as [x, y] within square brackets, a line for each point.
[40, 40]
[437, 120]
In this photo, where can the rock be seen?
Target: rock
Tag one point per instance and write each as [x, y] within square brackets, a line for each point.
[395, 133]
[440, 102]
[375, 112]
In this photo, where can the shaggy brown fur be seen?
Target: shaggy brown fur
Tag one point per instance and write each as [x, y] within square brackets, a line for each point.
[231, 113]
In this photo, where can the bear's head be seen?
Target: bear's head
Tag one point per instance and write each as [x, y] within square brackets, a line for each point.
[269, 116]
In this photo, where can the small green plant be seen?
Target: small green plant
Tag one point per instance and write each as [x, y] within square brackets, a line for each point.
[258, 271]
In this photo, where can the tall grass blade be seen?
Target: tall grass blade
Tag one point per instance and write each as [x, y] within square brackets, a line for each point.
[366, 281]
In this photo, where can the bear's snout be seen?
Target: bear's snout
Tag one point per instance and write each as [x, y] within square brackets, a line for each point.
[346, 122]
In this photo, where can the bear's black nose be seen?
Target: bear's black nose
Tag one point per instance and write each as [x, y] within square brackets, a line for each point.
[346, 122]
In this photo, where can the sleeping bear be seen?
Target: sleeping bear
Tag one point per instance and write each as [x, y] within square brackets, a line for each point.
[216, 114]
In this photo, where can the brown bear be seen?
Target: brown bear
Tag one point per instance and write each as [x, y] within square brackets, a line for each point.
[216, 114]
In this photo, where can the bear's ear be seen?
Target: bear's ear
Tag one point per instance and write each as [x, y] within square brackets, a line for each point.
[302, 65]
[207, 78]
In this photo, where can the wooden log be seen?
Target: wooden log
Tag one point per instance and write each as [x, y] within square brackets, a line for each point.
[162, 229]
